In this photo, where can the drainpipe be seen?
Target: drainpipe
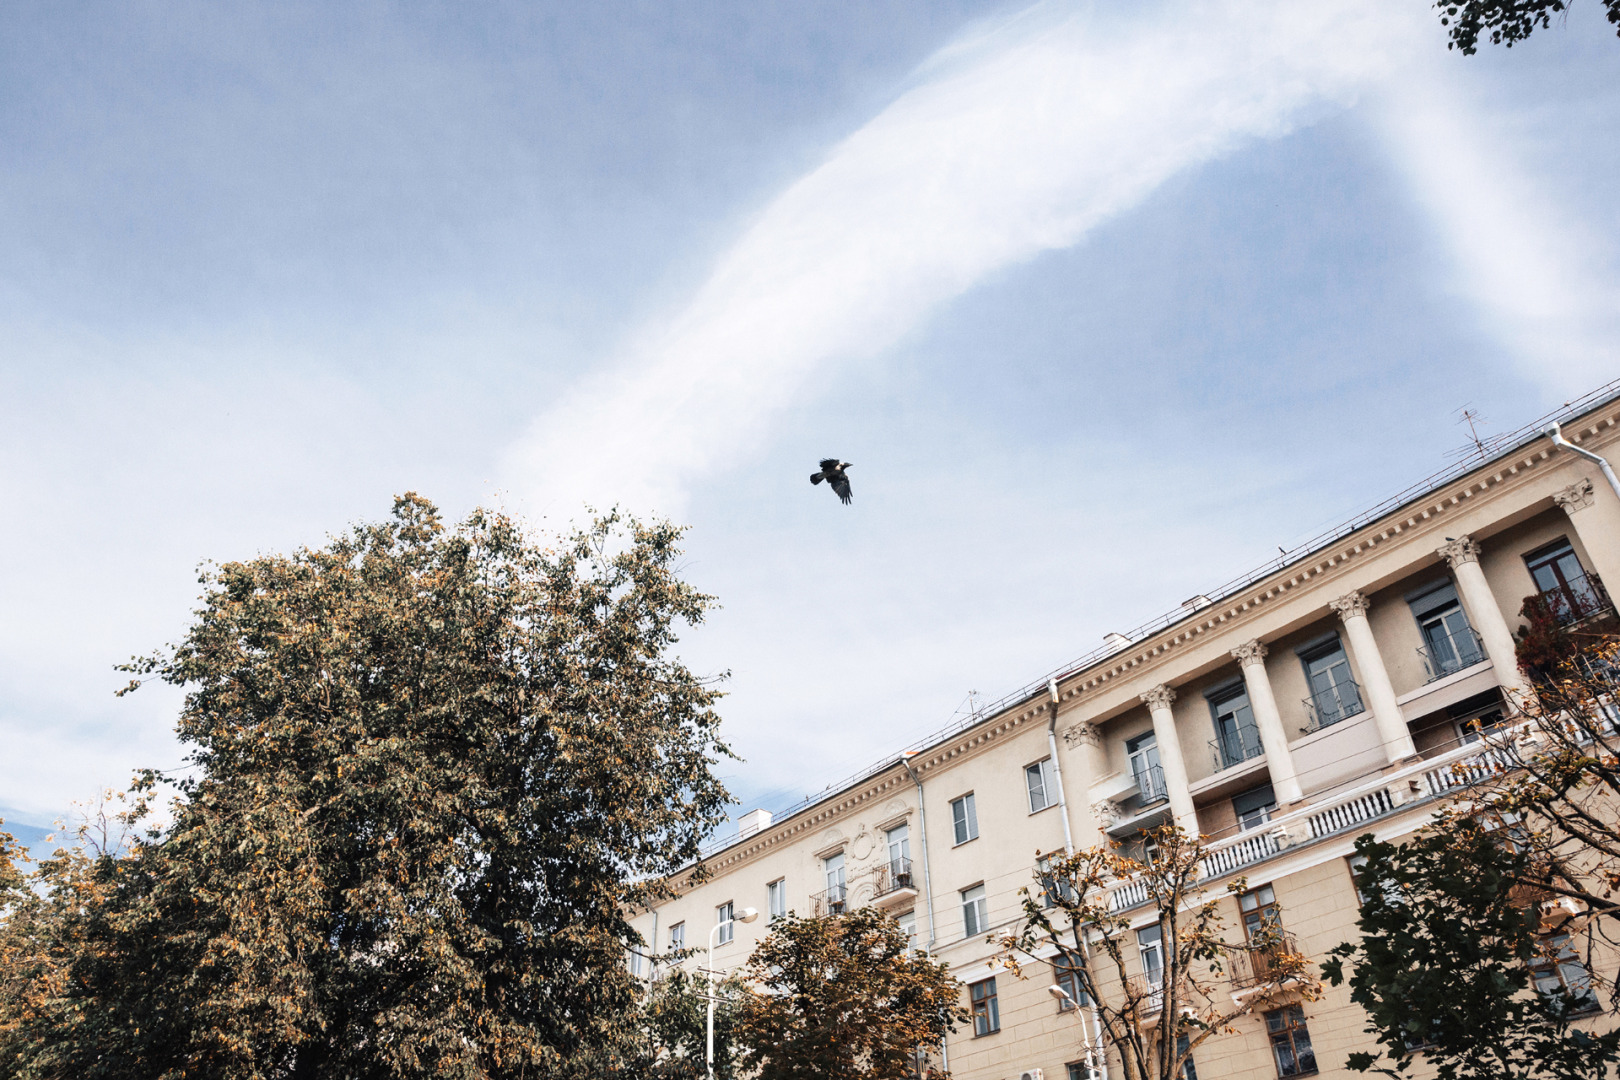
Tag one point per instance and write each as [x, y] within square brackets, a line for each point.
[1553, 432]
[652, 952]
[928, 881]
[1057, 770]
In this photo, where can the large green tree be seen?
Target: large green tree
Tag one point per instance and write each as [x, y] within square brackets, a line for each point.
[843, 997]
[1504, 21]
[431, 769]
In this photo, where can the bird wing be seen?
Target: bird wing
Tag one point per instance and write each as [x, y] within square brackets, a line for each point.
[816, 478]
[840, 484]
[829, 465]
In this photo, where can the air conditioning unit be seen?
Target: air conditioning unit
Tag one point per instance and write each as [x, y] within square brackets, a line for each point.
[1030, 1074]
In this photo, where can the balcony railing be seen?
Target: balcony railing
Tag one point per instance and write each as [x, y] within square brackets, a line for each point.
[1148, 992]
[1337, 702]
[1150, 784]
[1259, 966]
[1449, 653]
[1235, 746]
[1579, 598]
[831, 902]
[892, 877]
[1248, 848]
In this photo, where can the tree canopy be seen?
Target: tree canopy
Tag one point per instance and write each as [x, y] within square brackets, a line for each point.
[1504, 22]
[430, 771]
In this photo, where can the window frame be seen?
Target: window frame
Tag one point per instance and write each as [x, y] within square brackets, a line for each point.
[776, 897]
[1066, 971]
[964, 826]
[1141, 748]
[980, 920]
[677, 936]
[1541, 965]
[725, 917]
[991, 1010]
[1043, 772]
[1290, 1026]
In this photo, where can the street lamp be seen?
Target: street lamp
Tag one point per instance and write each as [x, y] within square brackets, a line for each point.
[748, 915]
[1096, 1055]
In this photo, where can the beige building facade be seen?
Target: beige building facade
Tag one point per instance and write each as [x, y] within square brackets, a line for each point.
[1340, 693]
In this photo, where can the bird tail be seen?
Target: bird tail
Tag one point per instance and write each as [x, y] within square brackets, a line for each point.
[816, 478]
[847, 499]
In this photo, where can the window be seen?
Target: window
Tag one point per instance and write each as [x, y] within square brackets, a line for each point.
[1066, 970]
[908, 923]
[1254, 807]
[1290, 1041]
[899, 845]
[986, 1017]
[1356, 863]
[722, 918]
[1261, 917]
[1474, 728]
[1143, 752]
[1569, 591]
[776, 898]
[964, 819]
[677, 937]
[1559, 972]
[1150, 948]
[1334, 694]
[1053, 887]
[637, 963]
[1449, 643]
[832, 869]
[1237, 738]
[1041, 779]
[975, 911]
[1188, 1070]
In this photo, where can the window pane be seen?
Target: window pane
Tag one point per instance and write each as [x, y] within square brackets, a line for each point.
[1035, 778]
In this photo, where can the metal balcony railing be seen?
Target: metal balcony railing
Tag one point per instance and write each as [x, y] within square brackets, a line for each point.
[891, 877]
[831, 902]
[1148, 992]
[1262, 965]
[1235, 746]
[1337, 702]
[1579, 598]
[1150, 784]
[1447, 653]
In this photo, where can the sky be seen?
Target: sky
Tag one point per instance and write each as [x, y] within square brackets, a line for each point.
[1105, 302]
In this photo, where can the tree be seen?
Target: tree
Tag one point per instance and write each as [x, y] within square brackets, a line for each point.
[843, 996]
[1505, 21]
[431, 769]
[1154, 1019]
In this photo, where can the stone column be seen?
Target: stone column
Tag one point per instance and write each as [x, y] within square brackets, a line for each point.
[1086, 740]
[1263, 702]
[1380, 693]
[1171, 762]
[1596, 518]
[1462, 555]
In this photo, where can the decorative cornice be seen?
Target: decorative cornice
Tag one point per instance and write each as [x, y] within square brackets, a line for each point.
[1159, 697]
[1251, 654]
[1352, 605]
[1082, 734]
[1578, 496]
[1464, 549]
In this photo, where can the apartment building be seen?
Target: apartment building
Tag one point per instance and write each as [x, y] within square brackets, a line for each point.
[1343, 691]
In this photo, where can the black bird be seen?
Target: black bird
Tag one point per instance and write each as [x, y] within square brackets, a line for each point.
[832, 471]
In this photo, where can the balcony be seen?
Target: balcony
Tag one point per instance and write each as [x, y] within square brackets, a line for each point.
[893, 884]
[1448, 653]
[1150, 785]
[1265, 964]
[1581, 597]
[1327, 707]
[1235, 746]
[831, 902]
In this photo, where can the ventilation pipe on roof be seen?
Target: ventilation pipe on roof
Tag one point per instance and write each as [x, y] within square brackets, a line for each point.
[1553, 432]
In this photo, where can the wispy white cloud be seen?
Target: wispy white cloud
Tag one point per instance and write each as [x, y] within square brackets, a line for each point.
[1019, 138]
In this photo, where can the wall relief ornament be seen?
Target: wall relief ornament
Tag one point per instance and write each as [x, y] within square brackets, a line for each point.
[1108, 813]
[1251, 654]
[1082, 734]
[1351, 605]
[1464, 549]
[1578, 496]
[1159, 697]
[861, 846]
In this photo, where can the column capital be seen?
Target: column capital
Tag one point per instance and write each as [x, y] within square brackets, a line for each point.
[1252, 654]
[1351, 605]
[1159, 697]
[1083, 734]
[1464, 549]
[1108, 812]
[1578, 496]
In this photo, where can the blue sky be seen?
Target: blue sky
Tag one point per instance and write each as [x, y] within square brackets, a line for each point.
[1105, 302]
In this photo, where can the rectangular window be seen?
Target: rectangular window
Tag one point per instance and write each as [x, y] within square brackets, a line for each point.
[722, 919]
[1261, 918]
[1150, 948]
[1066, 970]
[1143, 753]
[1188, 1070]
[638, 963]
[1254, 807]
[986, 1017]
[898, 842]
[832, 871]
[1237, 736]
[1054, 887]
[1449, 643]
[1334, 694]
[1290, 1041]
[677, 937]
[1568, 590]
[1558, 971]
[776, 898]
[908, 923]
[1356, 862]
[975, 911]
[964, 819]
[1041, 780]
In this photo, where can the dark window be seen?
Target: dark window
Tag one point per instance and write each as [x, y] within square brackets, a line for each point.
[1237, 738]
[1259, 907]
[1053, 887]
[1356, 862]
[1449, 643]
[1067, 970]
[1188, 1070]
[1290, 1041]
[1334, 694]
[964, 819]
[1559, 973]
[1143, 752]
[1255, 807]
[986, 1017]
[1564, 584]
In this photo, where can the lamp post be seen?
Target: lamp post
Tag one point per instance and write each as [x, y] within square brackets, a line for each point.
[1096, 1057]
[748, 915]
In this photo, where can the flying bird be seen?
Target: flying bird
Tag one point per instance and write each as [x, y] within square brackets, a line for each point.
[832, 471]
